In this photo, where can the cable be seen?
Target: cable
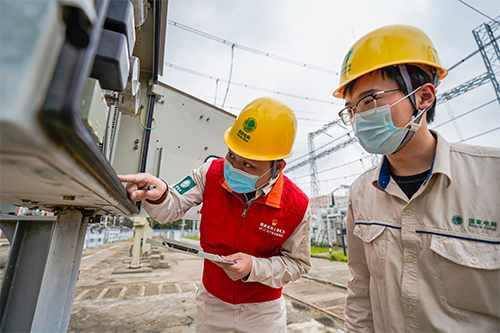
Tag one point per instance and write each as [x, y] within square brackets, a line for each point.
[216, 87]
[463, 114]
[331, 179]
[300, 118]
[140, 121]
[316, 149]
[335, 167]
[230, 75]
[480, 134]
[478, 11]
[248, 86]
[249, 49]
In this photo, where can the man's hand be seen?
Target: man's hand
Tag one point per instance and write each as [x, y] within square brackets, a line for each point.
[141, 180]
[241, 268]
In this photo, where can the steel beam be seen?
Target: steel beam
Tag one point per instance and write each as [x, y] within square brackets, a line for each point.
[40, 278]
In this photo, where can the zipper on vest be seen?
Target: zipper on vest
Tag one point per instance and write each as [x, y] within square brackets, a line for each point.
[246, 204]
[245, 211]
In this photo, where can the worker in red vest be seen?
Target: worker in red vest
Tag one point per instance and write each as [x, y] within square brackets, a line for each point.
[252, 214]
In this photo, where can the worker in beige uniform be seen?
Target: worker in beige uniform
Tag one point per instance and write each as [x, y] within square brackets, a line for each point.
[252, 215]
[422, 226]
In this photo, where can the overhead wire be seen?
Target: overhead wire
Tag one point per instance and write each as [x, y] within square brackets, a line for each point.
[335, 167]
[332, 179]
[465, 113]
[249, 49]
[299, 118]
[316, 149]
[477, 10]
[249, 86]
[481, 134]
[230, 75]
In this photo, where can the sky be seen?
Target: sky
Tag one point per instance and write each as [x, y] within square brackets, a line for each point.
[306, 42]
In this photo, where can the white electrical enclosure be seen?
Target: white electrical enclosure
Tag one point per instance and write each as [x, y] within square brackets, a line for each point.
[187, 131]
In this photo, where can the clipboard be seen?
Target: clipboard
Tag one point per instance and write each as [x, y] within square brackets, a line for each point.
[187, 248]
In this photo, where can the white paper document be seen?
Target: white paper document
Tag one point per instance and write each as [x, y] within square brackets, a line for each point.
[187, 248]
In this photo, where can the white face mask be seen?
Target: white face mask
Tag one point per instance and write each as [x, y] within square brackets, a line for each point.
[377, 133]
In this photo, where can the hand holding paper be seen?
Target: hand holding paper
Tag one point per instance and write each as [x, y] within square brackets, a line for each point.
[241, 267]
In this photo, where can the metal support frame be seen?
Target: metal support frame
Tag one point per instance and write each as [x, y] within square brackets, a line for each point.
[315, 189]
[40, 277]
[463, 88]
[324, 153]
[491, 57]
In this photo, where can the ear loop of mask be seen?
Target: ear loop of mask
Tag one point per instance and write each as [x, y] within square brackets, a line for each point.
[273, 173]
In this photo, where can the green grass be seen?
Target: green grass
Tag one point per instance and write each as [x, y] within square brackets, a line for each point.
[315, 250]
[339, 256]
[337, 253]
[192, 237]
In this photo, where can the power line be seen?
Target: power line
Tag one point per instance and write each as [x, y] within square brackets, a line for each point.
[230, 75]
[249, 49]
[481, 134]
[336, 167]
[332, 179]
[249, 86]
[315, 150]
[295, 111]
[465, 113]
[326, 152]
[329, 113]
[299, 118]
[480, 12]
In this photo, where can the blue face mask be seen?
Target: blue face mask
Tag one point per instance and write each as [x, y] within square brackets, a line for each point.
[377, 133]
[238, 180]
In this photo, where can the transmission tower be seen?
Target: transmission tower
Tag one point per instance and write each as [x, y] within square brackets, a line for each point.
[491, 56]
[315, 189]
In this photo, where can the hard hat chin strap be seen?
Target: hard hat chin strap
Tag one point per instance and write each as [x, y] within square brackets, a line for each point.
[407, 81]
[416, 120]
[275, 168]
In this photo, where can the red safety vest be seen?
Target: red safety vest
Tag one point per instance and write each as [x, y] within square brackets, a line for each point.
[260, 230]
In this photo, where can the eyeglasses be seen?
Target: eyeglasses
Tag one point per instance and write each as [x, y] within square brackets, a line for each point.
[367, 103]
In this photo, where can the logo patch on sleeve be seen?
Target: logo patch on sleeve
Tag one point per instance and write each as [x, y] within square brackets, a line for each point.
[185, 185]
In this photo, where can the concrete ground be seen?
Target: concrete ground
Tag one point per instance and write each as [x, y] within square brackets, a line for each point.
[110, 297]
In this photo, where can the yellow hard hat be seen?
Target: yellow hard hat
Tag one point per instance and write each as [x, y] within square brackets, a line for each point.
[390, 45]
[264, 131]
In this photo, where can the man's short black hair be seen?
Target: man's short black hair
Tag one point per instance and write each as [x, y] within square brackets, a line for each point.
[417, 75]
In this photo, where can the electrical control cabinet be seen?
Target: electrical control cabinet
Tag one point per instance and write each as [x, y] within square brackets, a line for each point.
[62, 143]
[94, 110]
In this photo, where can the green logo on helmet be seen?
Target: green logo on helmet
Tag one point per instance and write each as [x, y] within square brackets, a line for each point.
[250, 124]
[346, 67]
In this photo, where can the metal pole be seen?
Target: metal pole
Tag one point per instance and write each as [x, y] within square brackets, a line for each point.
[40, 278]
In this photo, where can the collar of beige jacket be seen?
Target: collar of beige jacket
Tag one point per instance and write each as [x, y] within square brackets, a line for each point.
[440, 164]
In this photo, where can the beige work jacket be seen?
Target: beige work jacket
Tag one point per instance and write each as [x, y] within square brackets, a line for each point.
[295, 258]
[431, 263]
